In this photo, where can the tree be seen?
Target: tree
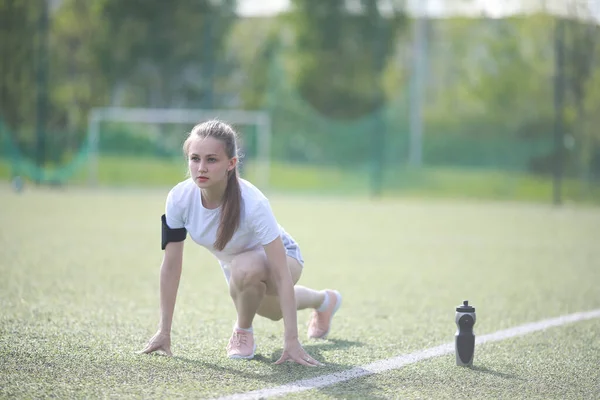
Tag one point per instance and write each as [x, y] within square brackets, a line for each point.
[102, 52]
[341, 54]
[254, 45]
[509, 76]
[19, 36]
[163, 55]
[78, 81]
[592, 104]
[582, 40]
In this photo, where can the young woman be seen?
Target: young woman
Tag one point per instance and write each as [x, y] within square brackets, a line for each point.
[260, 260]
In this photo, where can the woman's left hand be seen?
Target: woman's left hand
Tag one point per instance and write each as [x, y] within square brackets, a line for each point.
[293, 351]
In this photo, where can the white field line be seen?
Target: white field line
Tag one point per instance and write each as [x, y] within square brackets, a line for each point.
[402, 360]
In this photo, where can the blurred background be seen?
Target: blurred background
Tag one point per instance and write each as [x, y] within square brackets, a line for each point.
[436, 98]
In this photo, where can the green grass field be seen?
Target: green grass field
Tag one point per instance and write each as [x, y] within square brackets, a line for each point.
[79, 298]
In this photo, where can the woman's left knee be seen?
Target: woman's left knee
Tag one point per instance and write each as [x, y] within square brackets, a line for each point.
[248, 268]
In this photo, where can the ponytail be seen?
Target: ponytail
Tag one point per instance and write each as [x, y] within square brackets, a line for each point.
[230, 211]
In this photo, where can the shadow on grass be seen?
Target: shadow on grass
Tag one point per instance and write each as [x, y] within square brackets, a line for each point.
[499, 374]
[286, 372]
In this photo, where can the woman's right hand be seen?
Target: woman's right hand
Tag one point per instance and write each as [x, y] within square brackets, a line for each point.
[160, 342]
[170, 273]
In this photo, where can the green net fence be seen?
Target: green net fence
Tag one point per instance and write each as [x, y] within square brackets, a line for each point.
[19, 159]
[342, 88]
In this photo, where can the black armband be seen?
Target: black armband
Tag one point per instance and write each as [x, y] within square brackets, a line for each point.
[171, 235]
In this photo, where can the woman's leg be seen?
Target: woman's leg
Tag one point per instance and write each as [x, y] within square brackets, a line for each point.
[305, 297]
[253, 291]
[247, 285]
[324, 302]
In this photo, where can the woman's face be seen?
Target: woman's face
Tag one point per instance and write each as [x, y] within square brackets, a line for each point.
[208, 163]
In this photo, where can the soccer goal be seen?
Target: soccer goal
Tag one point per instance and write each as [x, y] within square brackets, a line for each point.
[260, 121]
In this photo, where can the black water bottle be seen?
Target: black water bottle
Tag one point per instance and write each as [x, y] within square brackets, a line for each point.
[464, 343]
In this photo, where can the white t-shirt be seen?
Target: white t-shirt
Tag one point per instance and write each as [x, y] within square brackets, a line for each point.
[257, 228]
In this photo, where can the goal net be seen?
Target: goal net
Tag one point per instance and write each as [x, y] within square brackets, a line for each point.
[131, 144]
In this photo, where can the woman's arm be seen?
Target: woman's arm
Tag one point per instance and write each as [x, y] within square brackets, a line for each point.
[170, 273]
[277, 264]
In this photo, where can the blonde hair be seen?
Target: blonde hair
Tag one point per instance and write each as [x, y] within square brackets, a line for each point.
[232, 199]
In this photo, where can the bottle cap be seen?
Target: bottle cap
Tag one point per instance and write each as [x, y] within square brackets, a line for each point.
[465, 307]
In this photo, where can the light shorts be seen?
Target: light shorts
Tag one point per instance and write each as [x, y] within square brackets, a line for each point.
[291, 250]
[291, 247]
